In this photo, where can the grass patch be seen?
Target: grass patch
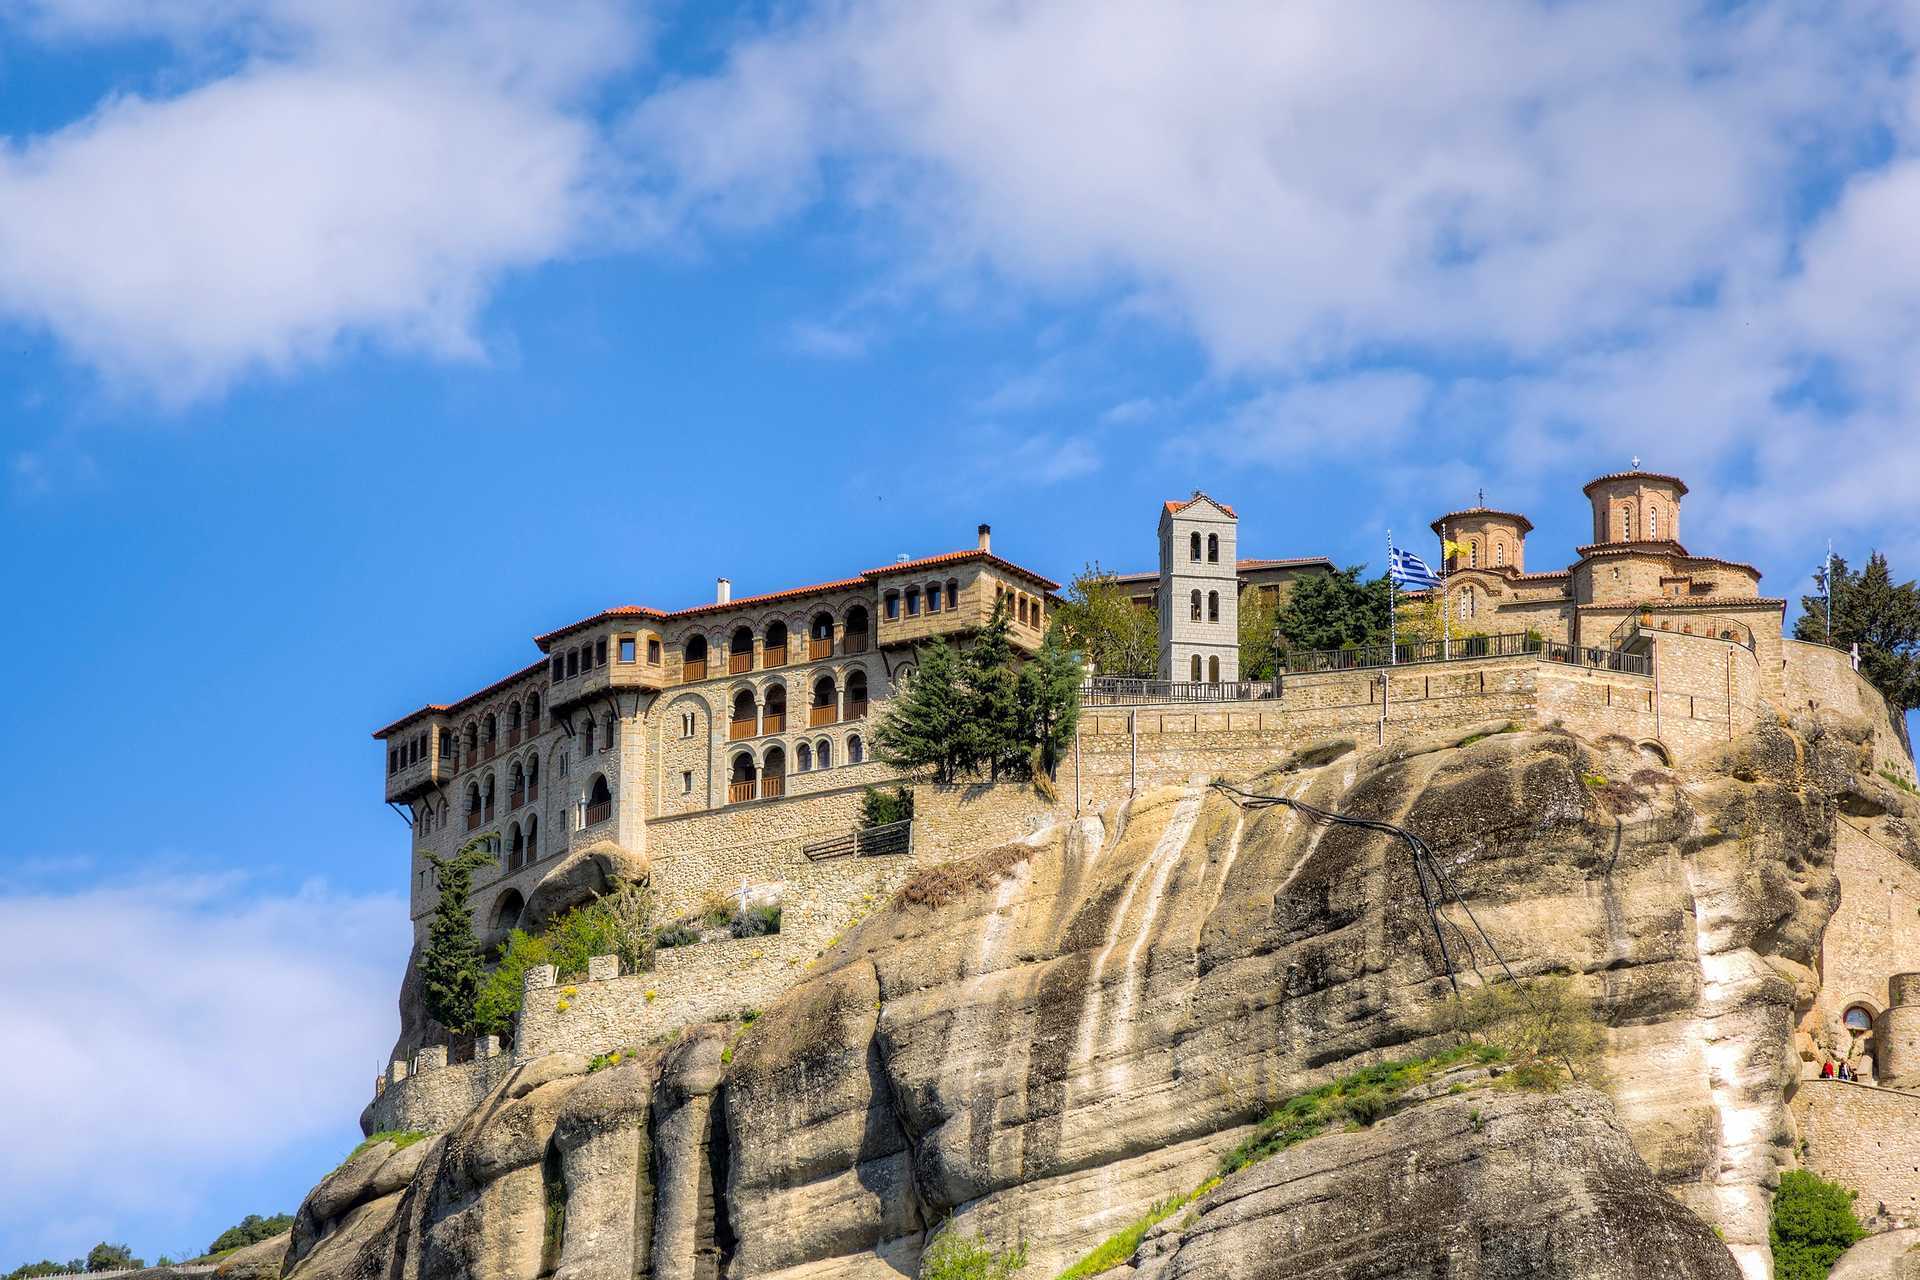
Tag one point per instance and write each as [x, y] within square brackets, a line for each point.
[1120, 1246]
[954, 1255]
[400, 1138]
[1892, 776]
[1509, 727]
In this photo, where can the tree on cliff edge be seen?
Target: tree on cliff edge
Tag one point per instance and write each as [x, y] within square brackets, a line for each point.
[450, 972]
[1880, 615]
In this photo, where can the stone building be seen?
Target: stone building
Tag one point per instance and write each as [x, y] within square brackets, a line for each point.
[1633, 579]
[1200, 585]
[637, 715]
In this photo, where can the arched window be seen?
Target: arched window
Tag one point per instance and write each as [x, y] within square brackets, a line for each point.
[856, 694]
[599, 801]
[855, 752]
[1021, 609]
[1858, 1018]
[1626, 524]
[744, 721]
[533, 838]
[586, 737]
[802, 758]
[517, 787]
[513, 717]
[1213, 548]
[774, 720]
[824, 706]
[533, 777]
[423, 820]
[1653, 521]
[740, 778]
[516, 848]
[933, 597]
[606, 734]
[1213, 669]
[1193, 606]
[953, 593]
[824, 754]
[913, 602]
[776, 645]
[693, 659]
[1196, 668]
[857, 628]
[1473, 555]
[740, 650]
[533, 713]
[486, 799]
[1499, 554]
[1193, 546]
[1468, 603]
[892, 605]
[573, 663]
[773, 774]
[1213, 606]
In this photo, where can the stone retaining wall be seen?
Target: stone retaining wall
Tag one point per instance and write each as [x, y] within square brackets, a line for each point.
[427, 1094]
[1866, 1139]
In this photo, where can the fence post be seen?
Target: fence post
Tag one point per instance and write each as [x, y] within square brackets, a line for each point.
[1133, 752]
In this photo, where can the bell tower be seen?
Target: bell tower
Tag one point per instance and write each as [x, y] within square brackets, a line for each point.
[1199, 591]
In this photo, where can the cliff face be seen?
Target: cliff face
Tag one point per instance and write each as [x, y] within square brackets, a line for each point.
[1043, 1041]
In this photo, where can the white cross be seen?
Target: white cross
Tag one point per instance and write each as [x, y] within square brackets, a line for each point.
[1636, 462]
[745, 892]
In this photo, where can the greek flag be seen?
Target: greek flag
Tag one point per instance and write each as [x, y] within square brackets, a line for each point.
[1410, 572]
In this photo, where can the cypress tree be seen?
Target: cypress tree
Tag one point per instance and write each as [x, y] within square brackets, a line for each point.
[1050, 701]
[923, 727]
[450, 972]
[992, 730]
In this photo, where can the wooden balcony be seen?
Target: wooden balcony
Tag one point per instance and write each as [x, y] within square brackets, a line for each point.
[473, 820]
[739, 663]
[533, 792]
[857, 710]
[487, 813]
[515, 799]
[818, 649]
[513, 737]
[817, 716]
[738, 729]
[776, 657]
[773, 722]
[856, 642]
[486, 751]
[598, 813]
[691, 671]
[739, 791]
[773, 786]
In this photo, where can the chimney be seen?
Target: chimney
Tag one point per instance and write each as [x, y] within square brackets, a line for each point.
[723, 591]
[986, 537]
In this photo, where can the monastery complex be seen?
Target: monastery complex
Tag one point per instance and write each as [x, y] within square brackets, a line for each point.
[724, 748]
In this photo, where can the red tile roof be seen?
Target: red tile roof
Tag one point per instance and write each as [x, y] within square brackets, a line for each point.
[454, 707]
[1174, 507]
[1526, 525]
[1284, 562]
[1675, 481]
[768, 597]
[956, 557]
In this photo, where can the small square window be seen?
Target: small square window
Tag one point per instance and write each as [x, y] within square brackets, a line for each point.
[600, 654]
[559, 668]
[893, 607]
[629, 649]
[653, 651]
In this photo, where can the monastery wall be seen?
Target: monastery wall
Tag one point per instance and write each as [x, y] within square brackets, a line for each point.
[1867, 1140]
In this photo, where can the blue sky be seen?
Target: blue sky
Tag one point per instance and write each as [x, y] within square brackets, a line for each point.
[346, 345]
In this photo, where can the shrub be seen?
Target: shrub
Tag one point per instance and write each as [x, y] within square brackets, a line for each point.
[755, 922]
[1813, 1224]
[878, 808]
[400, 1138]
[678, 934]
[503, 989]
[251, 1229]
[1119, 1247]
[955, 1255]
[1541, 1026]
[617, 923]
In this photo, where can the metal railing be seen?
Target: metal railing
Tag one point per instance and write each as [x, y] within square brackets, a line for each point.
[871, 842]
[1127, 691]
[1512, 644]
[1682, 623]
[1581, 655]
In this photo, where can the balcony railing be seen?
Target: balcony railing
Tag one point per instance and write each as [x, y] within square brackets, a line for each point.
[691, 671]
[1681, 623]
[737, 663]
[487, 812]
[515, 799]
[1634, 664]
[856, 708]
[738, 729]
[894, 837]
[598, 813]
[1508, 645]
[773, 786]
[513, 737]
[740, 791]
[486, 751]
[856, 642]
[473, 820]
[533, 792]
[1122, 691]
[817, 716]
[774, 656]
[773, 722]
[819, 648]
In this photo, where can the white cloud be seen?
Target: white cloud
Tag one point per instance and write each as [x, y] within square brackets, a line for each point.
[163, 1033]
[367, 172]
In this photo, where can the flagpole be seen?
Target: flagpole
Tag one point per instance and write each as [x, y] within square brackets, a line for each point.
[1829, 586]
[1393, 610]
[1446, 605]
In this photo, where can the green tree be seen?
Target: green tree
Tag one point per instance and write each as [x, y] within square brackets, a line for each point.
[251, 1229]
[1813, 1224]
[1099, 618]
[955, 1255]
[112, 1257]
[992, 728]
[1259, 638]
[27, 1271]
[880, 808]
[1880, 615]
[1334, 611]
[1049, 700]
[450, 972]
[922, 728]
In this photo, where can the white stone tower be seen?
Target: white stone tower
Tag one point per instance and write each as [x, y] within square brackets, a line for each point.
[1199, 591]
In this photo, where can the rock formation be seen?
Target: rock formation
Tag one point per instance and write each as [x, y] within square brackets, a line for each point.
[1042, 1041]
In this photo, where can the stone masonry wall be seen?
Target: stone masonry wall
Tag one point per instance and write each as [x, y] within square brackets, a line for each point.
[428, 1095]
[1867, 1140]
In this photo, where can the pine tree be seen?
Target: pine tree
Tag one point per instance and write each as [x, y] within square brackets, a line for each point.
[1335, 610]
[450, 972]
[992, 732]
[923, 727]
[1880, 615]
[1049, 701]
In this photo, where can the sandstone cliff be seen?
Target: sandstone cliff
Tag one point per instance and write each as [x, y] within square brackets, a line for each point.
[1041, 1042]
